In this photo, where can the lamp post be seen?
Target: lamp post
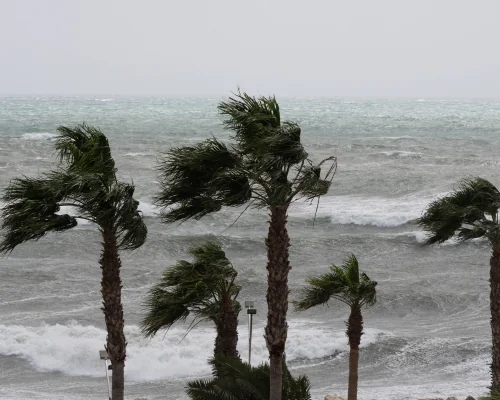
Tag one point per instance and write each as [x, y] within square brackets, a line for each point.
[251, 311]
[103, 355]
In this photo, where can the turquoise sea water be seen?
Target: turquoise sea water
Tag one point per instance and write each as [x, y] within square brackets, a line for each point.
[427, 336]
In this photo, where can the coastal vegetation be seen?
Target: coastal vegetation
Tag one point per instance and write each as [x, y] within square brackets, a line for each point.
[265, 166]
[85, 183]
[471, 212]
[237, 380]
[346, 284]
[204, 289]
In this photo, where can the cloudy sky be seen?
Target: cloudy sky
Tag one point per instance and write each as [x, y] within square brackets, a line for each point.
[424, 48]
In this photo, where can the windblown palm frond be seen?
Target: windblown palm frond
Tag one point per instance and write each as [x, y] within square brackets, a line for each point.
[191, 289]
[266, 166]
[251, 119]
[85, 149]
[199, 180]
[84, 181]
[237, 380]
[469, 212]
[344, 283]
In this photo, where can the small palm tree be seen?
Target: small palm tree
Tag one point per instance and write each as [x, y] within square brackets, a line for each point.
[86, 181]
[205, 289]
[237, 380]
[469, 212]
[265, 167]
[346, 284]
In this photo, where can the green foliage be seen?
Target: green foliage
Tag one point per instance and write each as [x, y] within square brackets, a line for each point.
[492, 396]
[201, 179]
[469, 212]
[237, 380]
[84, 180]
[344, 283]
[191, 288]
[266, 164]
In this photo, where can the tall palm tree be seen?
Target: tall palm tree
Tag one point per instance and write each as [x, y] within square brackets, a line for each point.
[205, 289]
[471, 211]
[346, 284]
[237, 380]
[86, 181]
[265, 167]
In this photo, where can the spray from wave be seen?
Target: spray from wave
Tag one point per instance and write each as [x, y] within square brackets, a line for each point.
[374, 211]
[73, 348]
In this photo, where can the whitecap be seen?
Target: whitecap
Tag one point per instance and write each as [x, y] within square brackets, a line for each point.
[360, 210]
[38, 136]
[148, 210]
[401, 154]
[138, 154]
[73, 348]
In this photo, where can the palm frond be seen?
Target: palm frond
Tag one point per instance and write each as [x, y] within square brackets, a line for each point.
[85, 180]
[251, 119]
[469, 204]
[191, 288]
[309, 184]
[86, 149]
[129, 224]
[31, 211]
[199, 180]
[207, 390]
[257, 169]
[343, 283]
[238, 380]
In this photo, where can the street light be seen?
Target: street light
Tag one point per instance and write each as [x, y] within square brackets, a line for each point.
[103, 355]
[251, 311]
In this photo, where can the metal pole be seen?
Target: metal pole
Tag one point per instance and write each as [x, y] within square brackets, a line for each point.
[103, 355]
[107, 379]
[250, 311]
[250, 338]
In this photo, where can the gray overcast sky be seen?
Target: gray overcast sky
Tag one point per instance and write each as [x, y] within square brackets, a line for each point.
[440, 48]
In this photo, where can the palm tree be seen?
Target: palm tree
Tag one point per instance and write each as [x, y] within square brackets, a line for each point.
[237, 380]
[346, 284]
[265, 167]
[86, 181]
[205, 289]
[469, 212]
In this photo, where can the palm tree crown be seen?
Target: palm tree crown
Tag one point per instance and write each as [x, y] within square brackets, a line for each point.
[196, 288]
[469, 212]
[343, 283]
[86, 181]
[266, 164]
[237, 380]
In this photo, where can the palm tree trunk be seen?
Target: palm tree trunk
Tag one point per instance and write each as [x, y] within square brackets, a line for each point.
[495, 317]
[226, 342]
[354, 332]
[111, 287]
[278, 266]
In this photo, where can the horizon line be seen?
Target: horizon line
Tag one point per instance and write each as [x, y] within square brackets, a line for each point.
[301, 96]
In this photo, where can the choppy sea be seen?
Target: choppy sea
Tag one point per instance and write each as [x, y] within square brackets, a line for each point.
[427, 336]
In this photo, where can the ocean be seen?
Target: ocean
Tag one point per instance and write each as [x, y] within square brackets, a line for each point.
[427, 336]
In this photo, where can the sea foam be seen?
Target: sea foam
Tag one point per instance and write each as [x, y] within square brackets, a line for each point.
[73, 348]
[374, 211]
[37, 136]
